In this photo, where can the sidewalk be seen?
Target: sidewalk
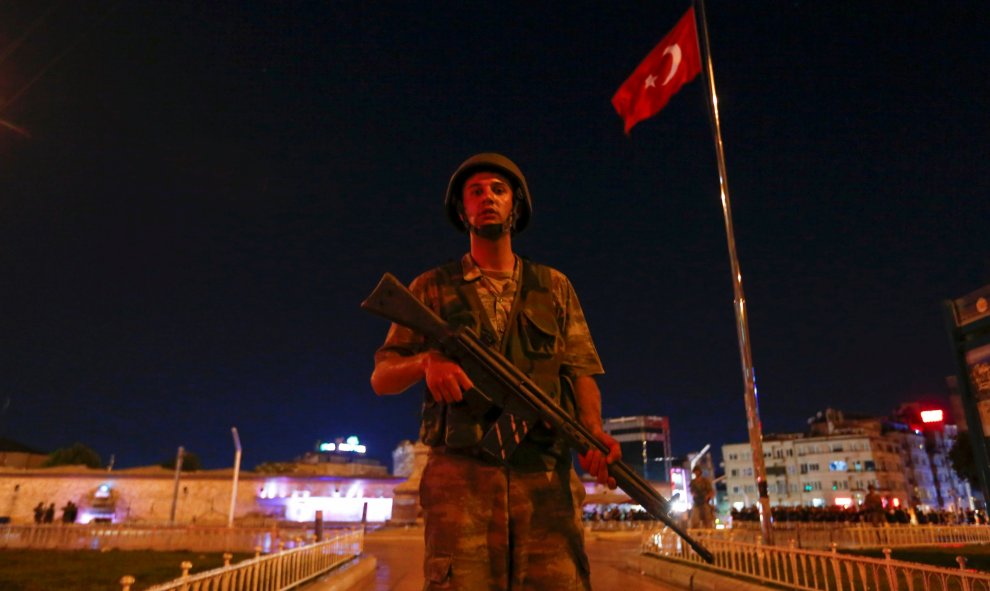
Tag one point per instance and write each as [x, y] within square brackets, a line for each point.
[400, 562]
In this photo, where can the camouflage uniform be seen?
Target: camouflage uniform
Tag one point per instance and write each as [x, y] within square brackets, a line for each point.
[873, 508]
[489, 526]
[701, 493]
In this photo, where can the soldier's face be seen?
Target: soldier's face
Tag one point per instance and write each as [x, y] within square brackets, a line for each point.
[487, 199]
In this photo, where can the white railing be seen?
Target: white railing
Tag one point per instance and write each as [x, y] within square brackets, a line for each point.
[130, 537]
[281, 570]
[811, 570]
[822, 536]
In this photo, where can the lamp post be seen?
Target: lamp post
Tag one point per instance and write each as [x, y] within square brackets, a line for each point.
[175, 491]
[237, 470]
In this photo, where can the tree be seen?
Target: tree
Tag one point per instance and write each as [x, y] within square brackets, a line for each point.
[190, 462]
[75, 455]
[963, 462]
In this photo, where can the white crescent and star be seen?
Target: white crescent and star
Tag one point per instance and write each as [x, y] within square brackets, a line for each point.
[675, 55]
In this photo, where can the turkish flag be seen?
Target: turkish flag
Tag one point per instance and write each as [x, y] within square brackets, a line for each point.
[674, 62]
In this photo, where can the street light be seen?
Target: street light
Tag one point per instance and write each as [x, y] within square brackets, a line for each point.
[237, 470]
[175, 492]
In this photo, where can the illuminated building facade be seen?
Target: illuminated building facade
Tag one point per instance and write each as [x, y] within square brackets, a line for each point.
[146, 495]
[834, 462]
[343, 457]
[645, 442]
[340, 483]
[939, 435]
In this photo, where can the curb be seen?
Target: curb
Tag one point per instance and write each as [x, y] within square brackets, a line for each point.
[690, 577]
[346, 577]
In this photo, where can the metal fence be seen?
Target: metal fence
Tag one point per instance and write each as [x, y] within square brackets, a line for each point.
[811, 570]
[823, 536]
[130, 537]
[285, 569]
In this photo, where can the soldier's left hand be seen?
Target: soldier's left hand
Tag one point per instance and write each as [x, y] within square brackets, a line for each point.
[596, 463]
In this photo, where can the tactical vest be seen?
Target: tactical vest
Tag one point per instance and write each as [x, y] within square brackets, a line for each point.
[532, 342]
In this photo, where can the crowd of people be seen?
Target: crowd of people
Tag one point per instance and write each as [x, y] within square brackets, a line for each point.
[891, 515]
[46, 513]
[616, 514]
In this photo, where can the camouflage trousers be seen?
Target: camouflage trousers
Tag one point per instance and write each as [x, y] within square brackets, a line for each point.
[702, 516]
[491, 528]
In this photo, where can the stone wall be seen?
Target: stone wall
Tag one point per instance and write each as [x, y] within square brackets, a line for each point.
[21, 459]
[145, 494]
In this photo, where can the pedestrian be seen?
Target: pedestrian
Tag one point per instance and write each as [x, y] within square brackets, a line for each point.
[50, 513]
[39, 512]
[69, 512]
[702, 494]
[492, 526]
[873, 506]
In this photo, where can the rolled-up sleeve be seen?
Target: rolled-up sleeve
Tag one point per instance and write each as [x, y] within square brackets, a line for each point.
[580, 356]
[400, 340]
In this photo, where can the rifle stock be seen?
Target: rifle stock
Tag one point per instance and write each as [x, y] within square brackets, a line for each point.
[499, 382]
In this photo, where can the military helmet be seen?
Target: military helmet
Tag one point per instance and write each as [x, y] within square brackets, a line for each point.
[489, 162]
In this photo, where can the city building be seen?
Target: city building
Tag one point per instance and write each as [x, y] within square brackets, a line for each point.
[839, 456]
[342, 457]
[335, 478]
[939, 435]
[152, 495]
[645, 442]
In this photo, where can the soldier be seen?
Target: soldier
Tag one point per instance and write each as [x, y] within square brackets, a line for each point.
[490, 526]
[873, 506]
[702, 494]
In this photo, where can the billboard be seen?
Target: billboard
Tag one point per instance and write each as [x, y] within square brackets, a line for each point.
[978, 366]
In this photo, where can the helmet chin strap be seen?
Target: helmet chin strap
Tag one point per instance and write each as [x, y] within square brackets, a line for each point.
[492, 231]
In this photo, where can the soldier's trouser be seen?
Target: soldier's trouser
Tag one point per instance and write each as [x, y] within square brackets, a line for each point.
[701, 516]
[491, 528]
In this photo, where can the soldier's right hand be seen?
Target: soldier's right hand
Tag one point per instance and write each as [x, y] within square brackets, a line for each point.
[445, 379]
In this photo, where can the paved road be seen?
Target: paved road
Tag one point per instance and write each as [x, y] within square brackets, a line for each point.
[400, 562]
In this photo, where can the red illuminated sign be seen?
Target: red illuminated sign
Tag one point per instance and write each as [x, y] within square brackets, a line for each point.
[931, 416]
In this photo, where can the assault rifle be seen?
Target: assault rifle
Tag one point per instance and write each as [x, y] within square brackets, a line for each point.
[500, 385]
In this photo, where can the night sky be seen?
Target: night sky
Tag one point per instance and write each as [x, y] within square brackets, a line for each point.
[201, 194]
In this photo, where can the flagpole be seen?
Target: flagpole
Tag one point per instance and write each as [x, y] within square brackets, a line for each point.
[742, 321]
